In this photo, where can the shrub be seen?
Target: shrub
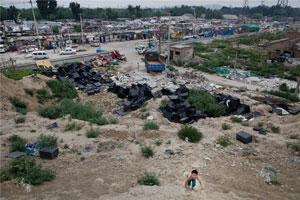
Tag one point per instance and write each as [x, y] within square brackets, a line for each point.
[158, 143]
[62, 89]
[113, 121]
[144, 116]
[19, 105]
[148, 179]
[226, 126]
[4, 174]
[42, 95]
[76, 110]
[262, 132]
[91, 133]
[283, 87]
[17, 143]
[17, 74]
[294, 136]
[29, 91]
[163, 103]
[275, 129]
[236, 119]
[224, 140]
[191, 133]
[203, 101]
[143, 109]
[51, 111]
[66, 146]
[260, 124]
[73, 127]
[245, 124]
[147, 151]
[150, 126]
[296, 146]
[25, 169]
[47, 140]
[20, 120]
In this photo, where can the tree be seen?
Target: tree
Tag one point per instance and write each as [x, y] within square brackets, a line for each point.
[257, 16]
[138, 11]
[46, 7]
[130, 11]
[13, 13]
[75, 8]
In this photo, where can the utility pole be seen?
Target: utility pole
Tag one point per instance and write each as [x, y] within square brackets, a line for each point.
[169, 39]
[81, 28]
[236, 54]
[36, 28]
[99, 36]
[159, 41]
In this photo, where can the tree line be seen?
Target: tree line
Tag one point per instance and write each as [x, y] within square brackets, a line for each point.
[48, 9]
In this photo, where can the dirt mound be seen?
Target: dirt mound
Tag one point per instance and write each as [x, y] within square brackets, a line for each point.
[11, 88]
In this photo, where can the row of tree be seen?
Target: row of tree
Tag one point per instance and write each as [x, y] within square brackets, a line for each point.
[47, 9]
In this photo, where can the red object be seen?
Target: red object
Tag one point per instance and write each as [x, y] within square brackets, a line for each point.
[117, 53]
[100, 56]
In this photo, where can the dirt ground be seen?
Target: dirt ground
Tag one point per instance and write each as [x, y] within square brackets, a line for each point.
[109, 169]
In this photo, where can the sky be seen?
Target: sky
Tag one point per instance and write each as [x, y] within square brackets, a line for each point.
[148, 3]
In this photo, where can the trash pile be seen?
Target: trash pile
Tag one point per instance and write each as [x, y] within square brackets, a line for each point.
[136, 96]
[104, 60]
[274, 83]
[83, 77]
[234, 74]
[178, 108]
[232, 105]
[282, 108]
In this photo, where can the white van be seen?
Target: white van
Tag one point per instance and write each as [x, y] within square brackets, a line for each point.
[39, 55]
[2, 48]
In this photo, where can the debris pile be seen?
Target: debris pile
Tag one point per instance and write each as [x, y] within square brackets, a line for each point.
[232, 105]
[83, 77]
[178, 108]
[136, 96]
[282, 108]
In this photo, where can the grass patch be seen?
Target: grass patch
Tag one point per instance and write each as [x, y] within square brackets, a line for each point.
[147, 151]
[76, 110]
[47, 140]
[163, 103]
[236, 119]
[113, 121]
[226, 126]
[62, 89]
[206, 103]
[42, 95]
[143, 109]
[20, 120]
[262, 132]
[224, 140]
[5, 174]
[191, 133]
[286, 95]
[92, 133]
[150, 126]
[158, 143]
[144, 116]
[17, 143]
[260, 124]
[294, 136]
[26, 170]
[32, 131]
[274, 182]
[17, 74]
[275, 129]
[168, 142]
[296, 146]
[245, 124]
[29, 91]
[20, 106]
[72, 127]
[148, 178]
[66, 146]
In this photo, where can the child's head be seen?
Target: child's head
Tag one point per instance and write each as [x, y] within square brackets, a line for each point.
[194, 173]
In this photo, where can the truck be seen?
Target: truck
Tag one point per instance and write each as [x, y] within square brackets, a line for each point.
[153, 62]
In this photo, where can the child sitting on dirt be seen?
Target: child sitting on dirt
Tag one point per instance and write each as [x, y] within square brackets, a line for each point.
[192, 179]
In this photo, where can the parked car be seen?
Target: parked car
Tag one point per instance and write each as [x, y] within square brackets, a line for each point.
[67, 51]
[94, 43]
[28, 48]
[39, 55]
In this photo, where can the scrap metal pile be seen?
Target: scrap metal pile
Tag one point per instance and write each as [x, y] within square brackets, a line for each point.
[83, 77]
